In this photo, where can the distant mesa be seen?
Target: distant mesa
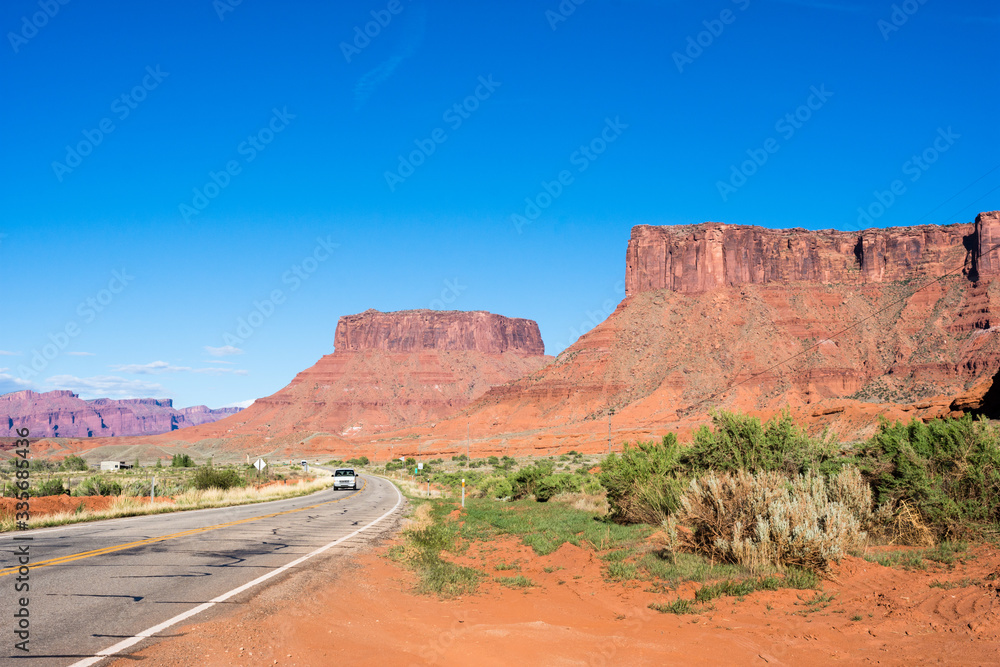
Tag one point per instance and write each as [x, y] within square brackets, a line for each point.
[390, 370]
[56, 414]
[420, 330]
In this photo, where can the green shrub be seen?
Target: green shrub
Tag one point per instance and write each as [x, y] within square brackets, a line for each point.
[948, 469]
[73, 462]
[359, 461]
[741, 442]
[495, 486]
[643, 483]
[51, 487]
[525, 481]
[98, 486]
[182, 461]
[214, 478]
[493, 461]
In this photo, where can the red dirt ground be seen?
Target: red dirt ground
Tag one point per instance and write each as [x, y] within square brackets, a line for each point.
[54, 504]
[364, 613]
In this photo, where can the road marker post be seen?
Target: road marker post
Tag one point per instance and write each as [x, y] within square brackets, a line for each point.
[152, 491]
[463, 492]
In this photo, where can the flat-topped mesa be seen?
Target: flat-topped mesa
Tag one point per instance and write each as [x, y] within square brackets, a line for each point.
[423, 330]
[696, 258]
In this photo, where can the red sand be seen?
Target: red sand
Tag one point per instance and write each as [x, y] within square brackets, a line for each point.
[363, 612]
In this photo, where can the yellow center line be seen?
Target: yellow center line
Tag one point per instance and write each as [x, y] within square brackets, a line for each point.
[153, 540]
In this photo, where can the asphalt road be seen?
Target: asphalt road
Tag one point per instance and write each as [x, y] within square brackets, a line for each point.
[111, 580]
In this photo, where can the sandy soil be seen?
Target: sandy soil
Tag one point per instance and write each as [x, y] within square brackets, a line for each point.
[44, 505]
[363, 612]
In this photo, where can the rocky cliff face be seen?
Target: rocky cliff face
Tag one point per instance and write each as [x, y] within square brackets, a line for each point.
[697, 258]
[419, 330]
[839, 327]
[392, 370]
[64, 414]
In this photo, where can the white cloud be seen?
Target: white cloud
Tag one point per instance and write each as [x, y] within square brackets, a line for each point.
[81, 354]
[9, 383]
[157, 367]
[240, 404]
[223, 351]
[107, 386]
[150, 368]
[5, 353]
[219, 361]
[219, 371]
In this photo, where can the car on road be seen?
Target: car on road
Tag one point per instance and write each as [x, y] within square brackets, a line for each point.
[344, 478]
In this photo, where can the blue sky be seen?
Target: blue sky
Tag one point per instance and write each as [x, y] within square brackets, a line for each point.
[216, 154]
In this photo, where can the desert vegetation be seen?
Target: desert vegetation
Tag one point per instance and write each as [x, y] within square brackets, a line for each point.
[747, 505]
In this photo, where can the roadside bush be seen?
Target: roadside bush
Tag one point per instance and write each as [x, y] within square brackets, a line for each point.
[764, 519]
[51, 487]
[493, 461]
[73, 462]
[551, 485]
[98, 486]
[214, 478]
[643, 483]
[495, 486]
[525, 481]
[740, 442]
[358, 462]
[948, 470]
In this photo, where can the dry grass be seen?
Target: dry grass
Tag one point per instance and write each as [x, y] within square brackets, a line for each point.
[123, 506]
[587, 502]
[766, 519]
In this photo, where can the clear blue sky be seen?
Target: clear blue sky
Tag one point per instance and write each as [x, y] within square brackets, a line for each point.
[184, 84]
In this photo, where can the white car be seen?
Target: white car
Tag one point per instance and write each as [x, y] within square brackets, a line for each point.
[344, 478]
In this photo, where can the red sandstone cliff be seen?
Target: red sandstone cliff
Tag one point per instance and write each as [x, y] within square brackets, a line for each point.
[64, 414]
[866, 322]
[697, 258]
[419, 330]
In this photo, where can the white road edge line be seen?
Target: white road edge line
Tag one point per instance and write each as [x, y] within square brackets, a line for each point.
[145, 634]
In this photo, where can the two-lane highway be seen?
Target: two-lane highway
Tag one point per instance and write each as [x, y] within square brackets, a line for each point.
[96, 589]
